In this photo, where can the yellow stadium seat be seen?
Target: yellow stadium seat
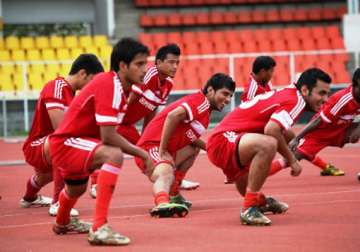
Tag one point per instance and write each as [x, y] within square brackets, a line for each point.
[71, 41]
[36, 81]
[105, 52]
[19, 68]
[75, 52]
[85, 41]
[27, 43]
[56, 42]
[36, 68]
[7, 68]
[4, 55]
[2, 44]
[48, 54]
[100, 40]
[92, 50]
[18, 55]
[33, 54]
[65, 69]
[53, 68]
[12, 43]
[6, 83]
[42, 42]
[106, 65]
[19, 82]
[63, 54]
[48, 76]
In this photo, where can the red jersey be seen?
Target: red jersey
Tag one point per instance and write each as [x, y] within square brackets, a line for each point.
[57, 94]
[282, 106]
[198, 111]
[252, 89]
[340, 109]
[151, 94]
[101, 102]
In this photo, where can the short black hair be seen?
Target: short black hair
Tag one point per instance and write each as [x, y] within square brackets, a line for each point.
[167, 49]
[263, 62]
[125, 50]
[356, 78]
[89, 62]
[219, 81]
[310, 76]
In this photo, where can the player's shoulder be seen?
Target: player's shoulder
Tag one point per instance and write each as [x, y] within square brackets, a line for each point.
[150, 75]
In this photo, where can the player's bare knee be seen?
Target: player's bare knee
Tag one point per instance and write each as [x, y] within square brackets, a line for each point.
[268, 147]
[115, 156]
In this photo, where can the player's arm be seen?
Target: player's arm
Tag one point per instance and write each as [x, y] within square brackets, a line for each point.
[109, 136]
[172, 120]
[275, 130]
[313, 124]
[132, 97]
[200, 144]
[148, 118]
[56, 116]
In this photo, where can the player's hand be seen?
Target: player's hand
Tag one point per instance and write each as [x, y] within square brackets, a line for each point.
[295, 169]
[165, 155]
[294, 144]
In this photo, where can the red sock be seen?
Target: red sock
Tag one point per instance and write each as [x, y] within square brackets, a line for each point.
[161, 197]
[253, 199]
[58, 184]
[319, 163]
[66, 204]
[105, 187]
[32, 188]
[277, 166]
[179, 176]
[94, 177]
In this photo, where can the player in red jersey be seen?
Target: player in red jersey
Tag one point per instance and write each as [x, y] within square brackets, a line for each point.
[246, 140]
[260, 78]
[52, 104]
[172, 140]
[332, 126]
[144, 99]
[87, 140]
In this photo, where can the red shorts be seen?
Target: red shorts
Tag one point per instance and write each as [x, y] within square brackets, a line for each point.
[129, 132]
[73, 156]
[318, 139]
[35, 156]
[222, 152]
[153, 150]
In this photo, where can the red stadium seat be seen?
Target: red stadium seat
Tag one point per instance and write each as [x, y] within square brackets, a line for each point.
[202, 18]
[230, 17]
[300, 14]
[146, 21]
[216, 18]
[314, 14]
[258, 16]
[244, 17]
[323, 43]
[272, 15]
[286, 14]
[279, 45]
[188, 19]
[293, 44]
[174, 19]
[160, 20]
[329, 13]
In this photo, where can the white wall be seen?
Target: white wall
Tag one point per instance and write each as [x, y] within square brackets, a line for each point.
[351, 28]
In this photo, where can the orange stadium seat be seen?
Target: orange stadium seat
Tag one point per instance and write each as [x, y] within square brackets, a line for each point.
[286, 14]
[230, 17]
[314, 14]
[160, 20]
[216, 18]
[258, 16]
[146, 20]
[244, 17]
[272, 15]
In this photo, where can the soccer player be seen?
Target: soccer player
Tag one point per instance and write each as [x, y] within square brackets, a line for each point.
[172, 140]
[246, 140]
[144, 99]
[260, 78]
[87, 140]
[332, 126]
[51, 106]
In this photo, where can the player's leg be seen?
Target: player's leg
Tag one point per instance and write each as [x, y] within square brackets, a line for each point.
[109, 160]
[185, 159]
[257, 151]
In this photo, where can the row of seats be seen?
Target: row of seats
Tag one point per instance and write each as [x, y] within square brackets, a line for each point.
[162, 3]
[256, 16]
[246, 40]
[55, 42]
[53, 53]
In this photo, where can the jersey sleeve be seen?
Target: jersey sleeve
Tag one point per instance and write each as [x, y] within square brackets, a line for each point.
[194, 107]
[54, 96]
[332, 111]
[108, 102]
[288, 112]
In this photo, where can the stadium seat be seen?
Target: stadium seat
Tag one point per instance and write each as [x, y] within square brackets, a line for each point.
[12, 43]
[202, 18]
[85, 41]
[48, 54]
[63, 54]
[19, 82]
[160, 20]
[92, 49]
[56, 42]
[27, 43]
[7, 68]
[42, 42]
[36, 68]
[5, 55]
[105, 52]
[100, 40]
[71, 41]
[33, 54]
[230, 17]
[2, 44]
[18, 55]
[75, 52]
[53, 68]
[6, 82]
[36, 81]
